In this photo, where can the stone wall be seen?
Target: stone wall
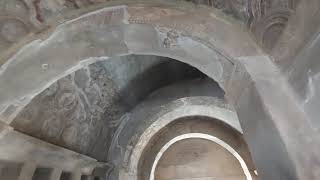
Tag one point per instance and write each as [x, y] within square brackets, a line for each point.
[82, 110]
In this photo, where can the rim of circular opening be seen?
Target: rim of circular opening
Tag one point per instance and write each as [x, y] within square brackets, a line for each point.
[200, 136]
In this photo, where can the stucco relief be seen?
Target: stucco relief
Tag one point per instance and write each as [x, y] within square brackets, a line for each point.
[269, 19]
[75, 112]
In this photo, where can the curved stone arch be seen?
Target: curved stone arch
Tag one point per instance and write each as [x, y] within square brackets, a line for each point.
[201, 136]
[191, 106]
[151, 29]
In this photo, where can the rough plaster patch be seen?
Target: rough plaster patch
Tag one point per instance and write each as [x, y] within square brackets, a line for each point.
[311, 101]
[311, 90]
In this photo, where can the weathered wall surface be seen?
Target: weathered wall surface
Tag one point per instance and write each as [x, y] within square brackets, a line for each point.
[74, 112]
[82, 110]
